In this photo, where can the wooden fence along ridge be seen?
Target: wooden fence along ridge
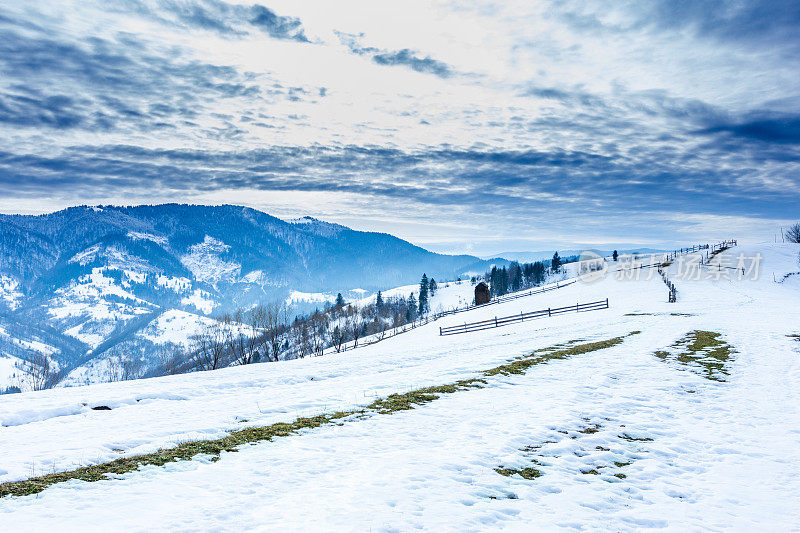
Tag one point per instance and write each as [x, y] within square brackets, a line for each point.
[507, 298]
[497, 322]
[432, 317]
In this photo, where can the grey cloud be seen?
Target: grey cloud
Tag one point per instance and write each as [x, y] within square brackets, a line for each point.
[405, 57]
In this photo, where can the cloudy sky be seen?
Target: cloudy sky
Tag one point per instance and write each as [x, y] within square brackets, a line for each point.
[462, 125]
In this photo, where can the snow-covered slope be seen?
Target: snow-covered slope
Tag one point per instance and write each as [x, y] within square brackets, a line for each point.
[87, 279]
[692, 453]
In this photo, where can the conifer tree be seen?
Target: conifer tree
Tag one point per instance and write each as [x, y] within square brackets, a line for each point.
[555, 264]
[615, 255]
[423, 295]
[379, 302]
[432, 286]
[339, 301]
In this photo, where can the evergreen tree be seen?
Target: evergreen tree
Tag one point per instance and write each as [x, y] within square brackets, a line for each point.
[555, 264]
[538, 273]
[514, 277]
[423, 295]
[615, 255]
[379, 302]
[339, 301]
[432, 286]
[411, 310]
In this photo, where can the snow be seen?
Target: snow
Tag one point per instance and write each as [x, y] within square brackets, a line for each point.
[177, 284]
[253, 277]
[309, 297]
[85, 297]
[302, 220]
[9, 371]
[175, 327]
[29, 344]
[449, 295]
[201, 300]
[722, 454]
[204, 261]
[138, 236]
[86, 256]
[9, 291]
[92, 338]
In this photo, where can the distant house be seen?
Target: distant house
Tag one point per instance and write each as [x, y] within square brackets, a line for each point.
[482, 294]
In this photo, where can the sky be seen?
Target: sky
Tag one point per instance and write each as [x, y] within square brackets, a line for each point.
[463, 126]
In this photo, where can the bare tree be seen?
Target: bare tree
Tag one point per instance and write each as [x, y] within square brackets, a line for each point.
[319, 332]
[113, 369]
[209, 353]
[380, 329]
[277, 322]
[240, 341]
[132, 369]
[171, 359]
[40, 373]
[356, 329]
[792, 233]
[338, 336]
[302, 338]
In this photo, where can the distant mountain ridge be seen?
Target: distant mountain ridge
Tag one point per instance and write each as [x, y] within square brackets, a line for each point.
[530, 257]
[83, 281]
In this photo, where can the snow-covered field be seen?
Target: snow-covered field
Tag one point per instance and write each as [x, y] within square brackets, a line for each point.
[624, 439]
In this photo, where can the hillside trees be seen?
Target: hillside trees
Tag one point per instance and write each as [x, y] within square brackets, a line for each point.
[40, 373]
[792, 233]
[423, 295]
[210, 348]
[515, 277]
[265, 333]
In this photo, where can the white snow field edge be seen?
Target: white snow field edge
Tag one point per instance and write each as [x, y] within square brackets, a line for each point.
[722, 454]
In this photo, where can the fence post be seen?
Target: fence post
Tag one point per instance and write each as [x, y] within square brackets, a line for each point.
[548, 312]
[606, 303]
[440, 331]
[495, 321]
[522, 316]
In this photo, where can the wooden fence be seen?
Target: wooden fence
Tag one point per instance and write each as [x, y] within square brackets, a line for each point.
[506, 298]
[432, 317]
[697, 247]
[672, 295]
[497, 322]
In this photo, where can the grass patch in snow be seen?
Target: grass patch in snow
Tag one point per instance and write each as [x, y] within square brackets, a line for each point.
[702, 351]
[539, 357]
[589, 456]
[230, 443]
[525, 473]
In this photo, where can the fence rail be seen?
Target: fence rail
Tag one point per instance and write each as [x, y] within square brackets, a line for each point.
[497, 322]
[697, 247]
[672, 295]
[507, 298]
[432, 317]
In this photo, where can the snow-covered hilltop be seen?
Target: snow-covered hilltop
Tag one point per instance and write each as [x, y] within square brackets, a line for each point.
[85, 283]
[648, 414]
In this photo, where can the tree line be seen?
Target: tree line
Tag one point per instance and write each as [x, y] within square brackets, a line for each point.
[520, 276]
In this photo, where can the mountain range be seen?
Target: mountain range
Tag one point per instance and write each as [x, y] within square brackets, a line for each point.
[530, 257]
[85, 282]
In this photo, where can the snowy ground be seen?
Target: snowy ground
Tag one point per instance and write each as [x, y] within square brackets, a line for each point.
[722, 455]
